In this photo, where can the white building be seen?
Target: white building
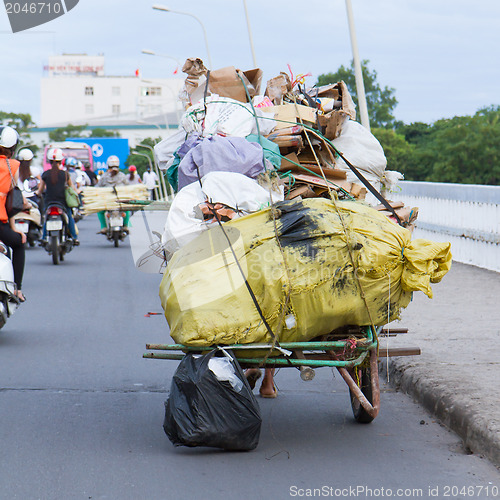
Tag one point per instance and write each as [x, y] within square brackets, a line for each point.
[76, 91]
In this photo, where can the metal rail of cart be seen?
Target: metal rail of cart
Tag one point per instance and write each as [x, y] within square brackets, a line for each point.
[353, 351]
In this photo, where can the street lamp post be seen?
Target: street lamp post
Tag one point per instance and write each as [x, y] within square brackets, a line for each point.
[165, 187]
[360, 87]
[151, 167]
[250, 35]
[153, 53]
[166, 9]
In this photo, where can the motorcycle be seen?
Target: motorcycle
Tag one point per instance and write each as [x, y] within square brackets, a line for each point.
[59, 241]
[8, 299]
[29, 221]
[115, 230]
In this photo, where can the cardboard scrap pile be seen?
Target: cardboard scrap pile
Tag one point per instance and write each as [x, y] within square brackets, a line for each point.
[299, 129]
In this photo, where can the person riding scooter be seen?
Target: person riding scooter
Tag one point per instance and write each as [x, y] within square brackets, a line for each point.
[54, 183]
[15, 239]
[28, 182]
[111, 178]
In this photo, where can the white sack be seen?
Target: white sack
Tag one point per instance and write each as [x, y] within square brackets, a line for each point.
[362, 149]
[225, 116]
[164, 150]
[185, 221]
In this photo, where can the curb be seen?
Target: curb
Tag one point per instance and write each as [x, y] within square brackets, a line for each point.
[478, 433]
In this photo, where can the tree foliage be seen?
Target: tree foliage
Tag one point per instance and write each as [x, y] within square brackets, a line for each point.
[62, 133]
[140, 161]
[463, 149]
[22, 122]
[397, 150]
[102, 132]
[379, 101]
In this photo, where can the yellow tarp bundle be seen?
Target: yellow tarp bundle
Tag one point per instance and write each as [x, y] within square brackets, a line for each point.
[206, 301]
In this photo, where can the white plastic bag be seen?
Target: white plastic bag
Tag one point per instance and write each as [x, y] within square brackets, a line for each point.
[224, 371]
[185, 222]
[362, 149]
[164, 150]
[225, 116]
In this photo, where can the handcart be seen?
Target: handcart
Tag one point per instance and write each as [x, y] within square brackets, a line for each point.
[354, 351]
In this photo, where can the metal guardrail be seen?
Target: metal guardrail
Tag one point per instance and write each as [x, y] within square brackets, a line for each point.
[467, 215]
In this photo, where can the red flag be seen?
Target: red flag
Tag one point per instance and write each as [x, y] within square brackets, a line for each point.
[137, 73]
[176, 71]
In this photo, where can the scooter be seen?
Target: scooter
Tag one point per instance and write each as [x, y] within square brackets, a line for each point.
[8, 299]
[59, 241]
[115, 230]
[30, 221]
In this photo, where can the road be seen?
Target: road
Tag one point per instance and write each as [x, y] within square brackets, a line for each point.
[81, 411]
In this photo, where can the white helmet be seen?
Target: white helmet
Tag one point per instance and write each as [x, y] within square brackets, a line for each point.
[55, 154]
[25, 154]
[113, 161]
[8, 137]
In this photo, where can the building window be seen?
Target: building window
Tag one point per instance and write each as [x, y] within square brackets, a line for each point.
[115, 108]
[151, 91]
[89, 90]
[89, 109]
[115, 90]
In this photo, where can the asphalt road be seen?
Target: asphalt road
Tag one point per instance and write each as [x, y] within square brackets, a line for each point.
[81, 411]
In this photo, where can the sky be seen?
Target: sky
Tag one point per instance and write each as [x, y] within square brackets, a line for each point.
[442, 57]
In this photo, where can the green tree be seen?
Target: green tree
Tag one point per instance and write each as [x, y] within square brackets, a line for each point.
[380, 101]
[414, 133]
[463, 149]
[466, 149]
[62, 133]
[22, 122]
[138, 160]
[397, 150]
[102, 132]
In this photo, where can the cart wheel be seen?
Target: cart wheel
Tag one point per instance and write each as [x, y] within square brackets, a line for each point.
[364, 377]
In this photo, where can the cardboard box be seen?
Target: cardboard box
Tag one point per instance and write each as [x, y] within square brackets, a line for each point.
[225, 82]
[286, 115]
[277, 87]
[332, 122]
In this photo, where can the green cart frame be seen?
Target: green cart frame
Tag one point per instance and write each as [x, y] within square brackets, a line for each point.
[353, 351]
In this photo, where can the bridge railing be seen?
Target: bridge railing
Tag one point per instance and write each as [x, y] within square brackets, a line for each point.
[466, 215]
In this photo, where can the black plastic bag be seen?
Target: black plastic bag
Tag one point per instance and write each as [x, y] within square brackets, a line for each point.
[202, 410]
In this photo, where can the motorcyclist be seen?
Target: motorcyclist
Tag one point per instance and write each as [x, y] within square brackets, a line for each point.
[69, 164]
[111, 178]
[15, 239]
[133, 177]
[90, 174]
[81, 179]
[54, 183]
[25, 156]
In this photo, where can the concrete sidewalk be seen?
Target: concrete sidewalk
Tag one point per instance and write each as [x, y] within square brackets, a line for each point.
[457, 376]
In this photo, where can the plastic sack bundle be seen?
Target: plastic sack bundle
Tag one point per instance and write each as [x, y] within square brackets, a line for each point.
[216, 153]
[225, 116]
[185, 222]
[206, 302]
[211, 404]
[364, 151]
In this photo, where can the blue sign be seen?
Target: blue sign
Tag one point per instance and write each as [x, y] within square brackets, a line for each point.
[103, 148]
